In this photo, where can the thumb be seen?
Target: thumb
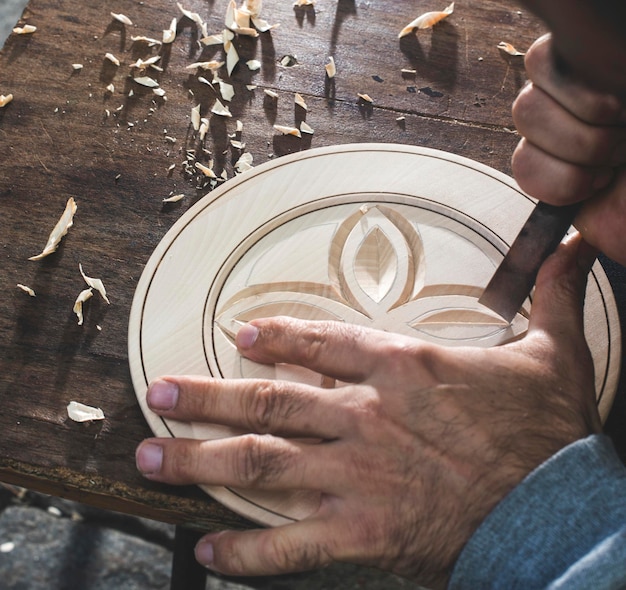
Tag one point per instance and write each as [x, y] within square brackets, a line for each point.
[557, 309]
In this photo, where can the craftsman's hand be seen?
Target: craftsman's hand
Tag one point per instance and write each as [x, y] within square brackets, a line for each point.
[574, 148]
[415, 451]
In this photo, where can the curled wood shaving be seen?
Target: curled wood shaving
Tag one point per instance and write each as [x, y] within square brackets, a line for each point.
[365, 97]
[26, 289]
[96, 284]
[212, 65]
[5, 100]
[25, 30]
[288, 130]
[122, 18]
[193, 16]
[82, 413]
[331, 69]
[60, 229]
[78, 304]
[427, 20]
[174, 198]
[217, 39]
[509, 49]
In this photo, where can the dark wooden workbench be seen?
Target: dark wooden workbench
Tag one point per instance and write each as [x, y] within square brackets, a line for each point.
[57, 141]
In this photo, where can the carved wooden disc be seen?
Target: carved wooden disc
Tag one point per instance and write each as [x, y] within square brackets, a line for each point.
[394, 237]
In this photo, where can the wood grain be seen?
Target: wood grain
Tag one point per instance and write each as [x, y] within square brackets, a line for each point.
[57, 141]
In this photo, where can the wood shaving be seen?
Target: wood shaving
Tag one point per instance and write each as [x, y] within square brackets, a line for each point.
[301, 3]
[253, 65]
[25, 30]
[306, 128]
[96, 284]
[331, 69]
[82, 413]
[78, 304]
[212, 40]
[365, 97]
[288, 130]
[226, 90]
[174, 198]
[112, 59]
[110, 88]
[149, 40]
[122, 18]
[26, 289]
[146, 81]
[232, 58]
[77, 67]
[5, 100]
[159, 92]
[509, 49]
[300, 101]
[212, 65]
[195, 118]
[60, 229]
[220, 109]
[244, 163]
[204, 128]
[205, 170]
[193, 16]
[426, 21]
[271, 94]
[169, 35]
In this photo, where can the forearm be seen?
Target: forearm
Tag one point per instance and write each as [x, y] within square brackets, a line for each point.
[565, 518]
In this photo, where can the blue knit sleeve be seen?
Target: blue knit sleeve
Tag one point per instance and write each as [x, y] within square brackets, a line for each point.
[563, 527]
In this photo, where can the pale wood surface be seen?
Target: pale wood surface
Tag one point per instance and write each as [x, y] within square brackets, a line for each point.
[58, 142]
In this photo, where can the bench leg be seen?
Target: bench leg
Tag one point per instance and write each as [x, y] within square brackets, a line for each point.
[187, 573]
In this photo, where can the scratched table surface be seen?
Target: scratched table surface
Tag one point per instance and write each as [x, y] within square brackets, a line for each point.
[118, 148]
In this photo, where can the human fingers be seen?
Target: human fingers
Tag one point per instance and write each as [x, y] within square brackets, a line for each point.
[254, 405]
[544, 121]
[554, 180]
[571, 92]
[602, 220]
[301, 546]
[343, 351]
[247, 461]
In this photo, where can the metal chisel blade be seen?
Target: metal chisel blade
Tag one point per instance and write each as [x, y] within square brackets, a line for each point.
[515, 277]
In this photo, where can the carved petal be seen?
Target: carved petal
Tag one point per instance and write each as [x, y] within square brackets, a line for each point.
[376, 265]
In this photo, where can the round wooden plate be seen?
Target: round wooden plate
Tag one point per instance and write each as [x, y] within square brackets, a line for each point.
[394, 237]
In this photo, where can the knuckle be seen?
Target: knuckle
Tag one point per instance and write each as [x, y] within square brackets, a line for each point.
[273, 403]
[282, 553]
[256, 463]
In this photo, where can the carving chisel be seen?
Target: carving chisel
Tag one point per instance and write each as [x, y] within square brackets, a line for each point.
[515, 277]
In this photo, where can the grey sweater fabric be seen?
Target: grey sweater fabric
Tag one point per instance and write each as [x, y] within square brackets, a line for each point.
[563, 527]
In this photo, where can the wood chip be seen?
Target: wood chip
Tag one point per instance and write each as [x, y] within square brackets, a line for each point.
[149, 40]
[122, 18]
[25, 30]
[83, 296]
[253, 65]
[300, 101]
[77, 67]
[110, 88]
[169, 35]
[220, 109]
[331, 69]
[195, 118]
[82, 413]
[365, 97]
[193, 16]
[226, 90]
[26, 289]
[306, 128]
[174, 198]
[5, 100]
[112, 58]
[244, 163]
[426, 20]
[509, 49]
[146, 81]
[60, 229]
[288, 130]
[212, 40]
[205, 170]
[271, 94]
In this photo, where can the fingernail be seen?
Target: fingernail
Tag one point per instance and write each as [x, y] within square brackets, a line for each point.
[149, 458]
[204, 553]
[246, 337]
[162, 395]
